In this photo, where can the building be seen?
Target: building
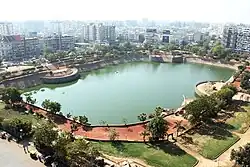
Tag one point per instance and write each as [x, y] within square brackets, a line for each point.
[166, 36]
[92, 32]
[151, 36]
[52, 43]
[18, 47]
[32, 47]
[110, 34]
[85, 32]
[198, 36]
[230, 37]
[243, 39]
[6, 28]
[100, 32]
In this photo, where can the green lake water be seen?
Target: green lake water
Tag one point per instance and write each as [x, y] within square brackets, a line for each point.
[124, 91]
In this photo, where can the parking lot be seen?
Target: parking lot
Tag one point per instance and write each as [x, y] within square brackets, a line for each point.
[12, 155]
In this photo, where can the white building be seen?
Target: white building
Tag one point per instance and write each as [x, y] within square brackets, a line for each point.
[6, 28]
[92, 32]
[198, 36]
[100, 32]
[151, 36]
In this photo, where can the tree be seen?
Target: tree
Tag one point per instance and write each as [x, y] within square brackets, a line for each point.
[142, 117]
[81, 154]
[73, 127]
[11, 95]
[225, 96]
[219, 51]
[59, 146]
[144, 134]
[157, 127]
[53, 107]
[202, 109]
[113, 134]
[245, 81]
[83, 120]
[158, 111]
[46, 104]
[30, 100]
[69, 115]
[44, 135]
[241, 156]
[18, 126]
[125, 121]
[178, 125]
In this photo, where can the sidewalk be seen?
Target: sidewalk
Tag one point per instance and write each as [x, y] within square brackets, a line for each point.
[12, 155]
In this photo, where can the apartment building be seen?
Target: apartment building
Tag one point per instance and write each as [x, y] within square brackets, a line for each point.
[151, 36]
[230, 34]
[18, 47]
[56, 43]
[237, 38]
[100, 33]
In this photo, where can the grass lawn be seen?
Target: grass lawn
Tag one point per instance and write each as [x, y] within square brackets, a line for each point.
[160, 155]
[241, 120]
[211, 141]
[7, 114]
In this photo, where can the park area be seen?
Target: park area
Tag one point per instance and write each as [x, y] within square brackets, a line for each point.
[9, 113]
[158, 155]
[240, 121]
[209, 141]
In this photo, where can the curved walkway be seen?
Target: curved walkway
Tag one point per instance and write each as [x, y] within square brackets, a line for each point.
[101, 133]
[224, 159]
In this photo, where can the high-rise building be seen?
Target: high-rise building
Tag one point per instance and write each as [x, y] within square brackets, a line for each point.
[110, 33]
[85, 33]
[166, 36]
[243, 39]
[92, 32]
[230, 37]
[100, 32]
[151, 36]
[6, 28]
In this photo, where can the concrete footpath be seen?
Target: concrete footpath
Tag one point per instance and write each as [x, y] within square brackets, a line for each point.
[13, 155]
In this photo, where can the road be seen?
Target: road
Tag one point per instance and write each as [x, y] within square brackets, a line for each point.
[12, 155]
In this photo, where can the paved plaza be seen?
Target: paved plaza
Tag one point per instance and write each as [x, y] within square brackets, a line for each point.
[12, 155]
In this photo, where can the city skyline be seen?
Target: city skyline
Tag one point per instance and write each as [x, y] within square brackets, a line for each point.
[192, 10]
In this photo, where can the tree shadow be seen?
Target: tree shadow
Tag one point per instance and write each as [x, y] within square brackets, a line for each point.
[87, 128]
[211, 130]
[57, 119]
[167, 147]
[119, 146]
[224, 125]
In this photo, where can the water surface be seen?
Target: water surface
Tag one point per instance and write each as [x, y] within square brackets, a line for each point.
[125, 91]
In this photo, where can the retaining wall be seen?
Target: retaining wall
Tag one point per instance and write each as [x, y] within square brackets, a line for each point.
[62, 79]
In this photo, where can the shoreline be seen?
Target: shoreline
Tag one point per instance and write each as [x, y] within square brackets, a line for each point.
[209, 62]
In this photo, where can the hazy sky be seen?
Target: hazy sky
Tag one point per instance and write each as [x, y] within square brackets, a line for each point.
[191, 10]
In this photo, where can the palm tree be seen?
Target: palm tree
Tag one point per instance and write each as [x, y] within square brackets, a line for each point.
[178, 125]
[69, 115]
[73, 127]
[144, 134]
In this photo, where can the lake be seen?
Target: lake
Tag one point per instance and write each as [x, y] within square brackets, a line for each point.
[124, 91]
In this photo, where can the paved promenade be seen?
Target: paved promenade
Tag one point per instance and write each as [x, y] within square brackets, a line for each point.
[12, 155]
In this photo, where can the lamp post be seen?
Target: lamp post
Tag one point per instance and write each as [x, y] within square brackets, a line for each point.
[21, 135]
